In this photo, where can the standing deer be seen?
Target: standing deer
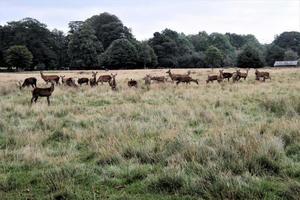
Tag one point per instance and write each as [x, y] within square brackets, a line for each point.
[147, 80]
[31, 81]
[104, 78]
[68, 81]
[264, 75]
[212, 78]
[81, 81]
[93, 81]
[242, 75]
[113, 83]
[187, 80]
[42, 92]
[175, 77]
[50, 78]
[226, 75]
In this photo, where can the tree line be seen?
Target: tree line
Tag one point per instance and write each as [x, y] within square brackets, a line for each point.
[103, 41]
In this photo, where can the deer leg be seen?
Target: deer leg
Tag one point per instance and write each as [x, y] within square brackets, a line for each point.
[32, 99]
[48, 100]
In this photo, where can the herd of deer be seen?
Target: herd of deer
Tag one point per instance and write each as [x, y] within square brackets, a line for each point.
[111, 80]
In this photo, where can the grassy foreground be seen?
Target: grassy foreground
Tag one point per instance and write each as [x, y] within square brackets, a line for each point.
[215, 141]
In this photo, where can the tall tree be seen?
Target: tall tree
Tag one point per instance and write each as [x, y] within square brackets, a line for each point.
[18, 56]
[213, 57]
[121, 54]
[146, 55]
[289, 40]
[84, 48]
[290, 55]
[274, 53]
[249, 58]
[108, 28]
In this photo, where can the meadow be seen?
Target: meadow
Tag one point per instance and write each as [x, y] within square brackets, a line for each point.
[207, 141]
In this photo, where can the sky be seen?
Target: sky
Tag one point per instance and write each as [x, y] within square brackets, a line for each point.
[262, 18]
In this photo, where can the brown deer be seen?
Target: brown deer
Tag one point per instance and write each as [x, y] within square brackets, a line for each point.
[50, 78]
[212, 78]
[42, 92]
[159, 79]
[226, 75]
[264, 75]
[104, 78]
[31, 81]
[242, 75]
[93, 81]
[81, 81]
[175, 77]
[132, 83]
[113, 83]
[68, 81]
[147, 79]
[187, 80]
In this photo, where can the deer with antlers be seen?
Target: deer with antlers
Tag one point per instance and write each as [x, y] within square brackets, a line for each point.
[31, 81]
[50, 78]
[42, 92]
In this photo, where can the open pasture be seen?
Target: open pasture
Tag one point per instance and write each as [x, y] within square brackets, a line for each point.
[208, 141]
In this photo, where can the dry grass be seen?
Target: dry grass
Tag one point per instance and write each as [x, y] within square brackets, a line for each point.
[214, 141]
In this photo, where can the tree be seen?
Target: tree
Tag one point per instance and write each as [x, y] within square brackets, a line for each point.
[120, 54]
[84, 48]
[199, 41]
[274, 53]
[289, 40]
[213, 57]
[108, 28]
[18, 56]
[290, 55]
[249, 58]
[146, 55]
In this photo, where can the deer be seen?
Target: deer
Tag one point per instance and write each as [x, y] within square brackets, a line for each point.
[113, 83]
[161, 79]
[31, 81]
[226, 75]
[81, 81]
[242, 75]
[50, 78]
[175, 77]
[264, 75]
[212, 78]
[93, 81]
[42, 92]
[187, 80]
[132, 83]
[68, 81]
[104, 78]
[147, 79]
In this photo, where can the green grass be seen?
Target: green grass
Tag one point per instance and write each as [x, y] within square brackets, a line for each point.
[228, 141]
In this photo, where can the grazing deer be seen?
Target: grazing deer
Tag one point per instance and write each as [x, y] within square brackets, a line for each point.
[242, 75]
[132, 83]
[113, 83]
[50, 78]
[226, 75]
[93, 81]
[187, 80]
[212, 78]
[104, 78]
[175, 77]
[161, 79]
[264, 75]
[81, 81]
[31, 81]
[68, 81]
[42, 92]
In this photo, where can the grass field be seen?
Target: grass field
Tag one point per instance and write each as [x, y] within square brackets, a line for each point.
[207, 141]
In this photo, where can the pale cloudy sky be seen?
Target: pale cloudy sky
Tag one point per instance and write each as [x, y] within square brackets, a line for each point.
[263, 18]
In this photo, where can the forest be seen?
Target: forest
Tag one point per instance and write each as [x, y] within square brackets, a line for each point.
[104, 42]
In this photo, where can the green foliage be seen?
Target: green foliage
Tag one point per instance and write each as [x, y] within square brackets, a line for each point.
[121, 53]
[146, 55]
[290, 55]
[84, 48]
[18, 56]
[289, 40]
[249, 58]
[213, 57]
[274, 53]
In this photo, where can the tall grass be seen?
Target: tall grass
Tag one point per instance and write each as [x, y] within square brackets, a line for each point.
[215, 141]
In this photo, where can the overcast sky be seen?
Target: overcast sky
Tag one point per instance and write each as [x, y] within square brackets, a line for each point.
[263, 18]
